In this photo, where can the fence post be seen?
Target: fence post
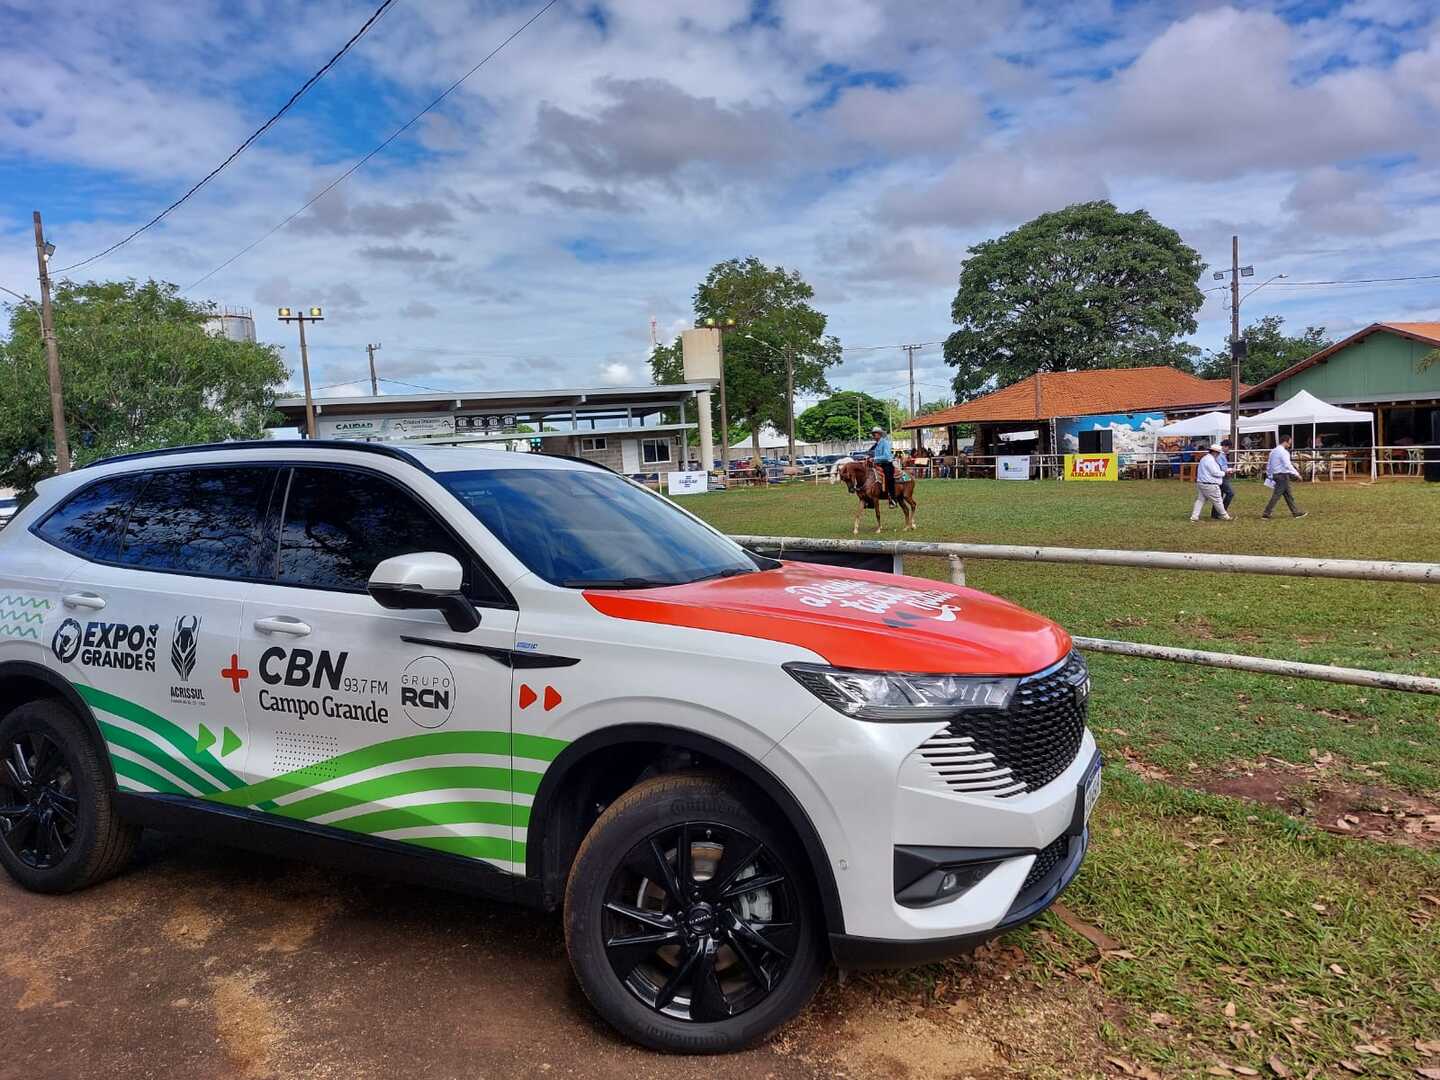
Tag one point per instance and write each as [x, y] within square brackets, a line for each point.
[957, 570]
[897, 564]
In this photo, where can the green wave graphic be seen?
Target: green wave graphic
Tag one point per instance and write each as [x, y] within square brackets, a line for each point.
[11, 600]
[498, 743]
[178, 738]
[7, 630]
[118, 736]
[21, 616]
[403, 783]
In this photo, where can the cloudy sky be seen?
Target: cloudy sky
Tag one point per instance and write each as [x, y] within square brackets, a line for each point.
[526, 231]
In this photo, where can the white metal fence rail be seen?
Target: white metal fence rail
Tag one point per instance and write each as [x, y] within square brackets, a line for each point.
[1346, 569]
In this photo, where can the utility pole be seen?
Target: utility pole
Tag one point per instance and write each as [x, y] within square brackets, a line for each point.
[370, 351]
[1237, 343]
[1235, 350]
[790, 400]
[43, 251]
[313, 314]
[910, 352]
[723, 325]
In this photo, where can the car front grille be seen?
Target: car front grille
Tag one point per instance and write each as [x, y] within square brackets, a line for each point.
[1006, 753]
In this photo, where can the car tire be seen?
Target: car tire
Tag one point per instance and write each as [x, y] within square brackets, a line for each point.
[58, 828]
[742, 956]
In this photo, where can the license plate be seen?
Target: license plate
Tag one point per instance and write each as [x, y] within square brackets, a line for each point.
[1090, 791]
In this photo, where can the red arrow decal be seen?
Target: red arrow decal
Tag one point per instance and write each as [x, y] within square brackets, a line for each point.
[527, 696]
[552, 698]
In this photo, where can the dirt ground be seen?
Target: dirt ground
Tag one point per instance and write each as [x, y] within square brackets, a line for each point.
[210, 962]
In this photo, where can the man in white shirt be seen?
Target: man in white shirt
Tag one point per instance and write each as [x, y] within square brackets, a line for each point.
[1278, 471]
[1209, 475]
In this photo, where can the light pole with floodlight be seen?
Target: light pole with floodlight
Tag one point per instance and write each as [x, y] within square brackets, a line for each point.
[722, 325]
[313, 314]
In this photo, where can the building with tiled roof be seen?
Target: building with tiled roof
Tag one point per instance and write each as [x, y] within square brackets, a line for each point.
[1379, 369]
[1052, 395]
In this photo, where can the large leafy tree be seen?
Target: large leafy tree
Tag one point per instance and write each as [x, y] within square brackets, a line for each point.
[1075, 289]
[1269, 351]
[842, 417]
[139, 372]
[773, 318]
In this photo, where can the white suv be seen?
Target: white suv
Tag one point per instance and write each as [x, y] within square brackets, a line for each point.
[530, 678]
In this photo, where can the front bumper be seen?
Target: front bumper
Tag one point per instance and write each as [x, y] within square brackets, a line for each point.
[851, 951]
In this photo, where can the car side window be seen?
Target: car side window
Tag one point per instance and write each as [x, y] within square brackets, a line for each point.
[203, 521]
[340, 524]
[89, 522]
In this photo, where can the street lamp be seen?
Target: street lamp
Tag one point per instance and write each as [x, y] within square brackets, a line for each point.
[712, 323]
[789, 358]
[313, 314]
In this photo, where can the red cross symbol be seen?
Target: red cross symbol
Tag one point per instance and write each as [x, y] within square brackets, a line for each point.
[234, 672]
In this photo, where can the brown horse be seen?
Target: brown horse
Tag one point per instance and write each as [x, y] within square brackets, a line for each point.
[867, 483]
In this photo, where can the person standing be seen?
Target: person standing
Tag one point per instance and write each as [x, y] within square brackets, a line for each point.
[1227, 489]
[883, 456]
[1208, 476]
[1278, 472]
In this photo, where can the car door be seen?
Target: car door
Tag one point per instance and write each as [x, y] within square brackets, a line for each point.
[151, 629]
[381, 722]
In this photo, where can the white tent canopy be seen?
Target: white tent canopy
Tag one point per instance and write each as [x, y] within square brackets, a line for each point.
[1211, 423]
[1306, 408]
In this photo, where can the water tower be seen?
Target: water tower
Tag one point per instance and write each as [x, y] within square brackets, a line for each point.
[234, 323]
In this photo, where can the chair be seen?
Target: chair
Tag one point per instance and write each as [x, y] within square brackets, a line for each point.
[1338, 466]
[921, 465]
[1187, 470]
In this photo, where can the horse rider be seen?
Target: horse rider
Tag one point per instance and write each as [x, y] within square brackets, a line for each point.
[883, 456]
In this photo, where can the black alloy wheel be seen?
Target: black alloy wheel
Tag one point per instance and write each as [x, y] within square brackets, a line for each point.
[39, 807]
[701, 921]
[691, 918]
[58, 827]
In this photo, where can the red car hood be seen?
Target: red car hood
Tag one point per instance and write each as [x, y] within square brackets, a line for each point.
[856, 619]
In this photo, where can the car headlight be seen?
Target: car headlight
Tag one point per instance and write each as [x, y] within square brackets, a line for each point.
[875, 695]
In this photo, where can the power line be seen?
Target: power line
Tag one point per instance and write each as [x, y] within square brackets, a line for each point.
[244, 145]
[393, 136]
[1359, 281]
[18, 296]
[879, 348]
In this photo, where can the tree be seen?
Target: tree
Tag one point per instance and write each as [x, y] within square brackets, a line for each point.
[139, 372]
[1073, 290]
[1269, 351]
[842, 417]
[773, 319]
[1429, 360]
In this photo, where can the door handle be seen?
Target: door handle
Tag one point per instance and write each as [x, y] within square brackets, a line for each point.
[282, 624]
[88, 600]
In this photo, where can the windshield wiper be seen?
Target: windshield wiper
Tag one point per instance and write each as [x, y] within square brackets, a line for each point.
[614, 583]
[728, 572]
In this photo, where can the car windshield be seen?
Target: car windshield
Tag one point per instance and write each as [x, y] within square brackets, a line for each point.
[590, 528]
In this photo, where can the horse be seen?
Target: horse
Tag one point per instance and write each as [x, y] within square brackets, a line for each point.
[867, 483]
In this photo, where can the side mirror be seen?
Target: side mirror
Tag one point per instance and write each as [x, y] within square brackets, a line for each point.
[425, 581]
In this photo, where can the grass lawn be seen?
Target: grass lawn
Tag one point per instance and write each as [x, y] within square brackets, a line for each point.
[1244, 930]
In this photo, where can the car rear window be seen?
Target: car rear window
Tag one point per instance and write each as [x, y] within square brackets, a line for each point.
[88, 523]
[340, 524]
[203, 521]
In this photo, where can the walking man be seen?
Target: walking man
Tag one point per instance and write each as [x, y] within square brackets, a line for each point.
[1278, 471]
[1227, 489]
[1208, 476]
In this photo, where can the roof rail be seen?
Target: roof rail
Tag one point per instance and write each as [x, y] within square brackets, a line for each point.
[383, 449]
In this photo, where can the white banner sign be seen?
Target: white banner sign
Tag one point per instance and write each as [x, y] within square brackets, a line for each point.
[1013, 467]
[394, 427]
[687, 483]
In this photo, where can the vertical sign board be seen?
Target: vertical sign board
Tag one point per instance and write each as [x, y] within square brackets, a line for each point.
[686, 483]
[1012, 467]
[1092, 467]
